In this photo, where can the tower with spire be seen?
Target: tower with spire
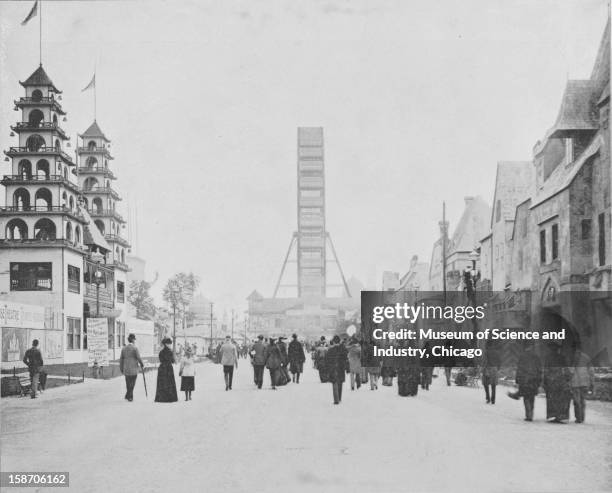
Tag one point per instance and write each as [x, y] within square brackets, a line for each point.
[43, 238]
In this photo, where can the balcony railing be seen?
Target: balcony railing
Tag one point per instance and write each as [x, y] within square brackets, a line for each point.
[101, 189]
[311, 201]
[106, 212]
[42, 209]
[117, 239]
[25, 178]
[31, 284]
[98, 170]
[16, 151]
[40, 101]
[39, 126]
[121, 265]
[93, 150]
[40, 243]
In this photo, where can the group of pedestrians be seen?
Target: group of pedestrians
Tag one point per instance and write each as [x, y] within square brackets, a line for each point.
[562, 382]
[280, 360]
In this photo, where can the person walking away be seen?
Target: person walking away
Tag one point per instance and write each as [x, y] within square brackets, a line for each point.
[427, 367]
[187, 374]
[296, 358]
[320, 353]
[354, 359]
[557, 385]
[34, 361]
[258, 360]
[582, 380]
[337, 364]
[229, 360]
[528, 378]
[371, 364]
[283, 372]
[273, 361]
[166, 384]
[129, 364]
[490, 369]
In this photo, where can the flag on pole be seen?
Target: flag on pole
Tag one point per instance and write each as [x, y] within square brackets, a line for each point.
[32, 13]
[91, 84]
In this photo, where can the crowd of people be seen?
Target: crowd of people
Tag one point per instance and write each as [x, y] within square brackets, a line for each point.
[562, 382]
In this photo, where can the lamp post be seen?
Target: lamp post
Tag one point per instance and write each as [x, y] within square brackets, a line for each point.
[173, 320]
[98, 275]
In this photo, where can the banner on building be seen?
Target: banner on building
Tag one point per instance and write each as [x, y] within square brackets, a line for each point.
[18, 315]
[97, 341]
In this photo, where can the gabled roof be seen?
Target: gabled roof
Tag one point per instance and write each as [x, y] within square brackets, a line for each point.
[563, 176]
[94, 130]
[578, 108]
[472, 225]
[40, 78]
[255, 296]
[512, 184]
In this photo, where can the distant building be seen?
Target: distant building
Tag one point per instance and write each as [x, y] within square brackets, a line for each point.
[417, 277]
[390, 281]
[471, 228]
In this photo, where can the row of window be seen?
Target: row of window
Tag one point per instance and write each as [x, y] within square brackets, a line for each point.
[585, 234]
[76, 334]
[38, 276]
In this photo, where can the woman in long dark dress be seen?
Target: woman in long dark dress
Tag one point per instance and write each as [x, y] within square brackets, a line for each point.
[166, 384]
[557, 386]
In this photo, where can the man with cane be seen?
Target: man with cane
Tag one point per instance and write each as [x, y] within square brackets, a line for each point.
[128, 364]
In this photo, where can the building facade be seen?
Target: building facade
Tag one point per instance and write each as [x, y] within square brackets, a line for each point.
[52, 254]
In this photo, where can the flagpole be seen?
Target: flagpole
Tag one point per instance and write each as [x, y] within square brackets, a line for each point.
[40, 34]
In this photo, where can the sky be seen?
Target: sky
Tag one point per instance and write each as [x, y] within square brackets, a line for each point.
[202, 99]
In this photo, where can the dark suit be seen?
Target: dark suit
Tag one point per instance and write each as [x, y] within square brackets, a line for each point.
[129, 363]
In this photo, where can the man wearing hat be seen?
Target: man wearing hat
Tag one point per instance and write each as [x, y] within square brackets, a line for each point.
[258, 358]
[229, 359]
[129, 361]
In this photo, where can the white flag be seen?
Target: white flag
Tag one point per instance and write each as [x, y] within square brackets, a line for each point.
[91, 84]
[32, 13]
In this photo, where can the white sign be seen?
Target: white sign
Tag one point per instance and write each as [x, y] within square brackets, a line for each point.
[97, 341]
[18, 315]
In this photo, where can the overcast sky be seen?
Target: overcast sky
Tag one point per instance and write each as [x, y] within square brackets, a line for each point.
[201, 100]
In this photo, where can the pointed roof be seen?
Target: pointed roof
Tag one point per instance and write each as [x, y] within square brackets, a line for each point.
[40, 78]
[513, 183]
[255, 296]
[94, 130]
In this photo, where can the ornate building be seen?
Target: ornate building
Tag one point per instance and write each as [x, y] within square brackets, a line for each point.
[52, 255]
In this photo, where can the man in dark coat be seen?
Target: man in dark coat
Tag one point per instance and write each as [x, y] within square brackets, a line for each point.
[273, 361]
[556, 383]
[490, 369]
[320, 352]
[296, 358]
[528, 378]
[337, 364]
[129, 364]
[34, 361]
[258, 358]
[284, 373]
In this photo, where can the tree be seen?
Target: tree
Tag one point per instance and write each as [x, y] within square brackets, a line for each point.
[140, 298]
[179, 290]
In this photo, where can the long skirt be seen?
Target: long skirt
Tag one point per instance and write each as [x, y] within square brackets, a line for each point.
[187, 384]
[296, 366]
[558, 403]
[166, 384]
[408, 381]
[323, 373]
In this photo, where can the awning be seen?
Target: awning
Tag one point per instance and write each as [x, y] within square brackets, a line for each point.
[92, 235]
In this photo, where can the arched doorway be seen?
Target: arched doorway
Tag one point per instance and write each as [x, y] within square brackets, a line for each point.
[21, 199]
[43, 199]
[16, 229]
[35, 142]
[44, 229]
[35, 118]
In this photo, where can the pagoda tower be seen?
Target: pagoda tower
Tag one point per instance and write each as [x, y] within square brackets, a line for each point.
[42, 239]
[100, 199]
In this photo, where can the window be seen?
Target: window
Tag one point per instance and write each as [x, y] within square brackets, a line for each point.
[586, 229]
[555, 241]
[498, 211]
[520, 260]
[602, 238]
[120, 292]
[31, 276]
[120, 333]
[73, 333]
[74, 279]
[543, 247]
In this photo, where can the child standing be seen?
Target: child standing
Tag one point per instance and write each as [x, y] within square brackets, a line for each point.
[187, 373]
